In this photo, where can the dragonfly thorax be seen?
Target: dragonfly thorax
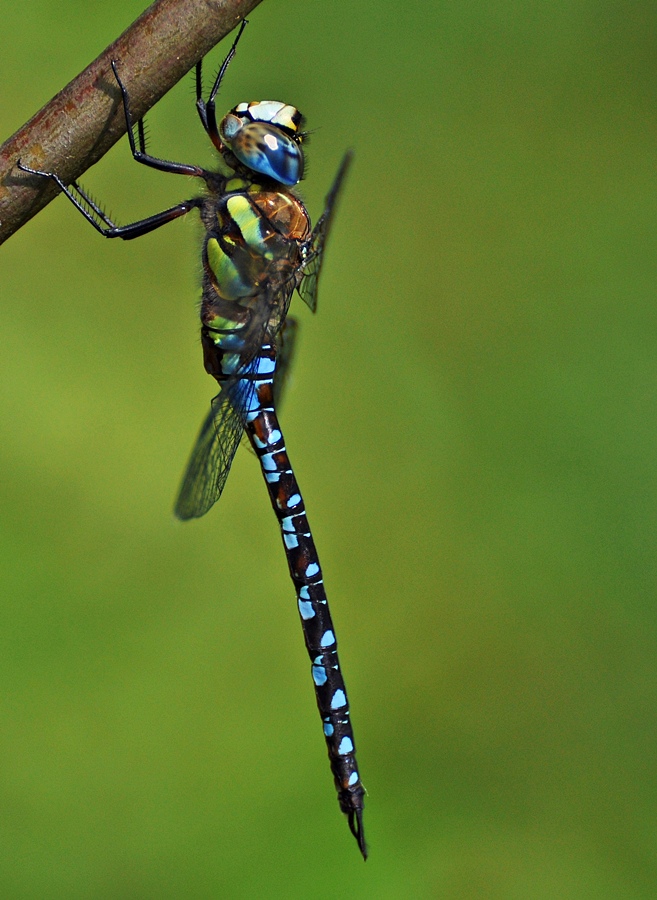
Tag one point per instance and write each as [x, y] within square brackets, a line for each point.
[255, 238]
[264, 137]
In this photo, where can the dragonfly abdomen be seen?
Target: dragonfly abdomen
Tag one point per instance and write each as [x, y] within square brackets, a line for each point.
[267, 440]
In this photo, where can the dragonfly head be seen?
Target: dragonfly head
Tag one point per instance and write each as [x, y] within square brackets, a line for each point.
[264, 136]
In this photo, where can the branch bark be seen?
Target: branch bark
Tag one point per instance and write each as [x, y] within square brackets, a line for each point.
[81, 123]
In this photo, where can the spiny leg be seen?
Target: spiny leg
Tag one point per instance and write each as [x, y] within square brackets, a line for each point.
[206, 111]
[83, 202]
[108, 229]
[139, 152]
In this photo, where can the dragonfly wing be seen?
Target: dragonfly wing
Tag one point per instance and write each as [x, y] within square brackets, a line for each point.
[213, 452]
[285, 348]
[223, 428]
[317, 243]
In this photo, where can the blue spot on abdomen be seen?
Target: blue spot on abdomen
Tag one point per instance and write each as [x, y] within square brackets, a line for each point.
[319, 675]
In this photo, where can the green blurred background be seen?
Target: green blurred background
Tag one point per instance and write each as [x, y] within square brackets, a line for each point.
[473, 419]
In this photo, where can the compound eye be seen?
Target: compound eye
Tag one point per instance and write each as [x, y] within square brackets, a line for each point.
[265, 149]
[229, 127]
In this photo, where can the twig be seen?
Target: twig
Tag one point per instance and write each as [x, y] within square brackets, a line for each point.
[85, 119]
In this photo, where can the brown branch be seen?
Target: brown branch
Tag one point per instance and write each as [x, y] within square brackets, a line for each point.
[85, 119]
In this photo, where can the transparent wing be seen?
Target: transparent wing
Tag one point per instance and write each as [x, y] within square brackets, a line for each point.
[219, 438]
[285, 347]
[317, 243]
[214, 450]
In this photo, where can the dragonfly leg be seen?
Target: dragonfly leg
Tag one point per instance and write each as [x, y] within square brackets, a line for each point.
[144, 226]
[139, 152]
[206, 111]
[105, 226]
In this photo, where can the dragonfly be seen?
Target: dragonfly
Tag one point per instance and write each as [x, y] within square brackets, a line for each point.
[259, 248]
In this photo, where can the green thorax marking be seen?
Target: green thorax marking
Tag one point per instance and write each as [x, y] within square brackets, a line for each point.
[256, 230]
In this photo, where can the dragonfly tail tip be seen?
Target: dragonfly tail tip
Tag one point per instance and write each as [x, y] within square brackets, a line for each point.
[356, 828]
